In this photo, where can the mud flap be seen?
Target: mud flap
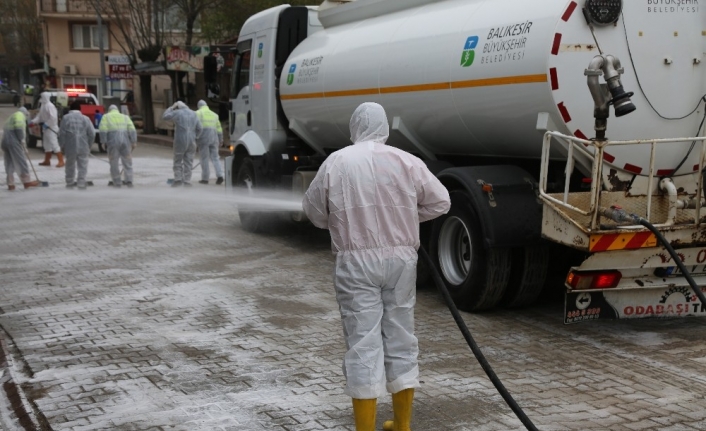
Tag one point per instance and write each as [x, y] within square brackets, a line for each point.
[672, 301]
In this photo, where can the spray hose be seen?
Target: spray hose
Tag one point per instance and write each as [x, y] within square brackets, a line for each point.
[614, 213]
[472, 344]
[621, 216]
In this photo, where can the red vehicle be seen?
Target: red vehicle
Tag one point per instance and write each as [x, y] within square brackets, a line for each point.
[62, 99]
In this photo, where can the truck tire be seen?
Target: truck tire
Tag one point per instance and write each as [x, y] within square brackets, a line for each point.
[251, 221]
[529, 273]
[476, 278]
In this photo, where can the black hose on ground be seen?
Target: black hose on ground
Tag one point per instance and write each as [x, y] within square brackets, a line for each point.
[472, 344]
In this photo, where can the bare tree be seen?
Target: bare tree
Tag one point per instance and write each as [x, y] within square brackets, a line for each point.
[217, 26]
[138, 32]
[21, 32]
[187, 13]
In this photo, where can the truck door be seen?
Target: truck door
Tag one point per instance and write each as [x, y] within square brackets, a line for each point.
[241, 103]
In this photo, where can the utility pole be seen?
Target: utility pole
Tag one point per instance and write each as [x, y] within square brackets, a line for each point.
[101, 84]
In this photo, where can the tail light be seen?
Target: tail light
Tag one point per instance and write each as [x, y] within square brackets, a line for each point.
[585, 280]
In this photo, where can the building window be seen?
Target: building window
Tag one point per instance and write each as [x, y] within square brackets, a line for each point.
[85, 36]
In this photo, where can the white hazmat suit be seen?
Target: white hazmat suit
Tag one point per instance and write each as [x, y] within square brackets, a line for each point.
[118, 134]
[49, 117]
[372, 198]
[13, 149]
[187, 129]
[76, 136]
[211, 136]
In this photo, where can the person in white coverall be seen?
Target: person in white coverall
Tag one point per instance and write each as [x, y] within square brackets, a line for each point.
[187, 129]
[49, 119]
[76, 136]
[118, 134]
[372, 198]
[211, 136]
[13, 150]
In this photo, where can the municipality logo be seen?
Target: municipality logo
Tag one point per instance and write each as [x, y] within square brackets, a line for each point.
[468, 51]
[290, 77]
[259, 50]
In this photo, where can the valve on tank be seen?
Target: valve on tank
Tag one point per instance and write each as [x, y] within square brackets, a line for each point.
[610, 93]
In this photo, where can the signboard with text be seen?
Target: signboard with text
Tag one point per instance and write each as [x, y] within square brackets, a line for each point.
[186, 59]
[118, 59]
[119, 71]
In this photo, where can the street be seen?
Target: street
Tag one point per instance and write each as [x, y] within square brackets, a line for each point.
[151, 309]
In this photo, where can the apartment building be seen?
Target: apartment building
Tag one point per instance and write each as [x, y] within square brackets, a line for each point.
[71, 40]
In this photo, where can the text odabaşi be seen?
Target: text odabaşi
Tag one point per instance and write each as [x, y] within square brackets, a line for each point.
[506, 43]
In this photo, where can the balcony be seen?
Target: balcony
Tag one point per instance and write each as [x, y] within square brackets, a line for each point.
[66, 8]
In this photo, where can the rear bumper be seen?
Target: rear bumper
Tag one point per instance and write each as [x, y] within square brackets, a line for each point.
[650, 286]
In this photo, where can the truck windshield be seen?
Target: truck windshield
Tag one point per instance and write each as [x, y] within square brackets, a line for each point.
[241, 71]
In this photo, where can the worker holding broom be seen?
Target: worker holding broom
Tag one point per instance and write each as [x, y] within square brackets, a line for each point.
[187, 128]
[119, 136]
[76, 136]
[14, 152]
[208, 142]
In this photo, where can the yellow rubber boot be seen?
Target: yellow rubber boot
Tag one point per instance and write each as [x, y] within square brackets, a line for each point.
[364, 412]
[402, 411]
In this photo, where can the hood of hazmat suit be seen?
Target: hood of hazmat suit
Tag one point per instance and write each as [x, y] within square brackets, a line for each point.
[76, 133]
[372, 198]
[116, 128]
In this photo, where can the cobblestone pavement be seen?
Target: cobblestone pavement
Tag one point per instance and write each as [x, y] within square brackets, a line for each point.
[151, 309]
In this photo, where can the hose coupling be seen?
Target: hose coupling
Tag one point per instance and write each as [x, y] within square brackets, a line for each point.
[619, 215]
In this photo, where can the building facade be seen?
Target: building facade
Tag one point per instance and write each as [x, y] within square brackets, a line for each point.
[71, 40]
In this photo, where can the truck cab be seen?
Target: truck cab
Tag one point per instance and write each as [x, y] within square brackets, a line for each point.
[259, 131]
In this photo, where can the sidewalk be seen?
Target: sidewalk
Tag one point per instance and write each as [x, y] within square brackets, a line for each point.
[168, 141]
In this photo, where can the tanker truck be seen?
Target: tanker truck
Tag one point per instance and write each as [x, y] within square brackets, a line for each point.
[509, 103]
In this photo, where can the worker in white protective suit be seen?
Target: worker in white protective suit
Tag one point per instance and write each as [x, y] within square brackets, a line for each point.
[76, 136]
[13, 150]
[49, 119]
[187, 129]
[372, 198]
[208, 142]
[118, 134]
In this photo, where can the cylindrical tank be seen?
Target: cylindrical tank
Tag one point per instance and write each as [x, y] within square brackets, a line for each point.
[469, 77]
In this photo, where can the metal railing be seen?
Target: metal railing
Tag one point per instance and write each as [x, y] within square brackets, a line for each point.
[67, 6]
[577, 145]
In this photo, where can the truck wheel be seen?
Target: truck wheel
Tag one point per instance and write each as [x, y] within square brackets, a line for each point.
[252, 221]
[529, 273]
[475, 277]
